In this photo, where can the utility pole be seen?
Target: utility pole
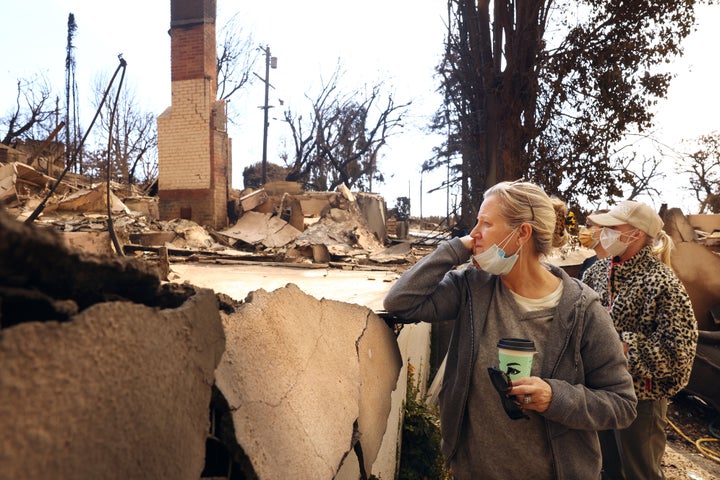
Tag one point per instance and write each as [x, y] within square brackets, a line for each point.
[269, 62]
[421, 195]
[447, 179]
[71, 119]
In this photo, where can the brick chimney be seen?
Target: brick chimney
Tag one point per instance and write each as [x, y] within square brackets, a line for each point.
[193, 145]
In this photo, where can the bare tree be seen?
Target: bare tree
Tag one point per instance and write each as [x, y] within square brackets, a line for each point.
[32, 113]
[236, 58]
[133, 139]
[703, 166]
[338, 142]
[641, 175]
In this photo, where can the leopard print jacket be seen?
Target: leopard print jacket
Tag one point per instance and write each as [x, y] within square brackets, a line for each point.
[654, 317]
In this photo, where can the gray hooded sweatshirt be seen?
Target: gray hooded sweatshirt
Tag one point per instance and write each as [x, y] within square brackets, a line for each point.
[582, 361]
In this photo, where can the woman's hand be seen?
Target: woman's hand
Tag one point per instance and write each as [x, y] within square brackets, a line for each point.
[469, 242]
[533, 393]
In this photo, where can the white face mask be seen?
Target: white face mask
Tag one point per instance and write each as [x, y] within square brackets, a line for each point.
[611, 242]
[494, 261]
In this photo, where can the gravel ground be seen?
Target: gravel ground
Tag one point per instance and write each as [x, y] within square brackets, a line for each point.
[683, 460]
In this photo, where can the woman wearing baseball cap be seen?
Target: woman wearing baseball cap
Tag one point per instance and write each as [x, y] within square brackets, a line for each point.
[654, 317]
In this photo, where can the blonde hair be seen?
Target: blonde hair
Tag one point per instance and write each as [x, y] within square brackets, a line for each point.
[524, 202]
[662, 246]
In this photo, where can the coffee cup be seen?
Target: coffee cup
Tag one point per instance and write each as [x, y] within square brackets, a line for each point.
[516, 356]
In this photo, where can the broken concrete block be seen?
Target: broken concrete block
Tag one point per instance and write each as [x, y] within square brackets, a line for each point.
[262, 228]
[106, 372]
[97, 243]
[280, 187]
[380, 364]
[320, 254]
[145, 205]
[252, 200]
[290, 210]
[119, 391]
[38, 259]
[345, 238]
[18, 179]
[398, 253]
[374, 211]
[313, 204]
[191, 234]
[345, 192]
[304, 378]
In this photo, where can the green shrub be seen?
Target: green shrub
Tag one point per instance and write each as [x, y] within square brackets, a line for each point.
[420, 455]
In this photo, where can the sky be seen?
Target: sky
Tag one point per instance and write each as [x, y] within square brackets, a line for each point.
[397, 42]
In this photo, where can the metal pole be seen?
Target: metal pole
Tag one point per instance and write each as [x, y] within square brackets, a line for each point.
[265, 108]
[421, 195]
[447, 179]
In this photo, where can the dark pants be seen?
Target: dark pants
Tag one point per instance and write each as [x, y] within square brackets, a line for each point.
[636, 452]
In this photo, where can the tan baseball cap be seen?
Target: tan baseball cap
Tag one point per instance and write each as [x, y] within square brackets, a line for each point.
[629, 212]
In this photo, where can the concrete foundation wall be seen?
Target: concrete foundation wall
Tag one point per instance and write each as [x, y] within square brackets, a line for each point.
[414, 344]
[121, 391]
[306, 379]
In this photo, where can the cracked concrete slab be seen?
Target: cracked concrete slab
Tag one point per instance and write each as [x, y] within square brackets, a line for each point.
[380, 365]
[119, 391]
[298, 373]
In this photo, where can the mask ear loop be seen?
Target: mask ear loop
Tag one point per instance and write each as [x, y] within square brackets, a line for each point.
[518, 228]
[506, 241]
[631, 236]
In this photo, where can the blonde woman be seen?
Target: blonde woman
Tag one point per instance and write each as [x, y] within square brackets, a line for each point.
[543, 425]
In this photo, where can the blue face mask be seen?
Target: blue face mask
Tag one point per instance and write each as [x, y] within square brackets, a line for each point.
[494, 261]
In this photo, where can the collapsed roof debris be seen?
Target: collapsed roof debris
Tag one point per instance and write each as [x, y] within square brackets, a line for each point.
[18, 180]
[279, 222]
[92, 199]
[255, 228]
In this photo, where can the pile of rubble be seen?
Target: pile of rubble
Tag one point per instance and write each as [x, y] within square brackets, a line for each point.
[277, 223]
